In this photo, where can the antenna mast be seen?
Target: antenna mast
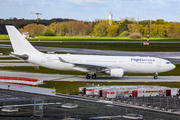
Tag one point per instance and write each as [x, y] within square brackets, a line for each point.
[37, 15]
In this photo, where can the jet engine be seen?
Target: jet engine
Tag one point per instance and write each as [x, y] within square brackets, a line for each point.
[115, 72]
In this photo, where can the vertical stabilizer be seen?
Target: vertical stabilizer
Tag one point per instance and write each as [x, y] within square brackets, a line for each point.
[19, 42]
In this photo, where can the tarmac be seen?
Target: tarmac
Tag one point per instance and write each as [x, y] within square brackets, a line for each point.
[34, 75]
[79, 78]
[103, 52]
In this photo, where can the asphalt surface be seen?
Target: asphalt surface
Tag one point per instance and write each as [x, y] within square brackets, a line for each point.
[103, 52]
[16, 64]
[34, 75]
[55, 77]
[125, 79]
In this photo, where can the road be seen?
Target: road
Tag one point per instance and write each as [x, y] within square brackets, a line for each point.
[75, 78]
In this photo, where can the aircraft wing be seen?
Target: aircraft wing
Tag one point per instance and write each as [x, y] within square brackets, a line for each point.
[87, 66]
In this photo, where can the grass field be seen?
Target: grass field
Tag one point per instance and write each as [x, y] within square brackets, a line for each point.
[153, 47]
[82, 38]
[174, 72]
[4, 37]
[5, 51]
[8, 58]
[72, 87]
[98, 38]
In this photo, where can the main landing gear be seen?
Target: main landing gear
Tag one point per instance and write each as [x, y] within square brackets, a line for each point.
[156, 76]
[93, 76]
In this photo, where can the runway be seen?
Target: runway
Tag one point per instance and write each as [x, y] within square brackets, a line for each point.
[34, 75]
[76, 78]
[125, 79]
[102, 52]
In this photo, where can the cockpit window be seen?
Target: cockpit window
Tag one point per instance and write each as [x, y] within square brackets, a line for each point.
[168, 63]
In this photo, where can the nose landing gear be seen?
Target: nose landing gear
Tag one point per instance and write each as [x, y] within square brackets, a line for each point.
[156, 76]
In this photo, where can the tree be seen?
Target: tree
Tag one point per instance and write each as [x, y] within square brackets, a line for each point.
[49, 32]
[112, 31]
[124, 34]
[62, 30]
[123, 25]
[34, 29]
[100, 29]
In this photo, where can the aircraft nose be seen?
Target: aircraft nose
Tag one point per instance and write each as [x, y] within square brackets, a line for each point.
[172, 66]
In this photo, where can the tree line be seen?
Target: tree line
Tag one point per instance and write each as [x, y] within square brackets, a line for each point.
[101, 28]
[20, 23]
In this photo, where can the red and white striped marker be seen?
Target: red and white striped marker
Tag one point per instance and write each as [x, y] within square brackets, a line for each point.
[148, 37]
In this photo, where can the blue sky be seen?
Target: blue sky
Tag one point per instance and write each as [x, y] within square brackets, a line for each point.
[89, 10]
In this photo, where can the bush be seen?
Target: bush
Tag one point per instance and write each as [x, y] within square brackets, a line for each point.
[124, 34]
[135, 36]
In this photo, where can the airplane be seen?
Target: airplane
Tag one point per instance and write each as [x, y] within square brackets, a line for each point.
[114, 66]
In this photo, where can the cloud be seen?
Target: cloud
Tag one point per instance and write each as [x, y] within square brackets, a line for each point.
[84, 1]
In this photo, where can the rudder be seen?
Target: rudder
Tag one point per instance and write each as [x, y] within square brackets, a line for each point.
[19, 42]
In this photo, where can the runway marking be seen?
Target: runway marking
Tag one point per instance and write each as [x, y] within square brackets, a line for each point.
[63, 78]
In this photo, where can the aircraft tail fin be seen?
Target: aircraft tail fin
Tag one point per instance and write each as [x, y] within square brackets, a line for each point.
[19, 42]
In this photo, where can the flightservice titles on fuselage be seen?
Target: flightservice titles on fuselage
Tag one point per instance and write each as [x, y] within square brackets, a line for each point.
[142, 60]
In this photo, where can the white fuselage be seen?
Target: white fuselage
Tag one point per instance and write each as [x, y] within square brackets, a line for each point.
[131, 64]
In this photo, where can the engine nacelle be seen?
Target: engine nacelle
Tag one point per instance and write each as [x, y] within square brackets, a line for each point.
[115, 72]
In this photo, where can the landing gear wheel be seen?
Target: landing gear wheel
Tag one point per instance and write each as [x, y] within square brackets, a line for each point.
[88, 76]
[155, 77]
[94, 76]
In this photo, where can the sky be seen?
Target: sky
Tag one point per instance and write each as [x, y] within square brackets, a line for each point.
[90, 10]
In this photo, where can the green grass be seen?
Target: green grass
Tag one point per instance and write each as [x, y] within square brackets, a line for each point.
[153, 47]
[4, 37]
[174, 72]
[82, 38]
[8, 58]
[5, 51]
[72, 87]
[77, 38]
